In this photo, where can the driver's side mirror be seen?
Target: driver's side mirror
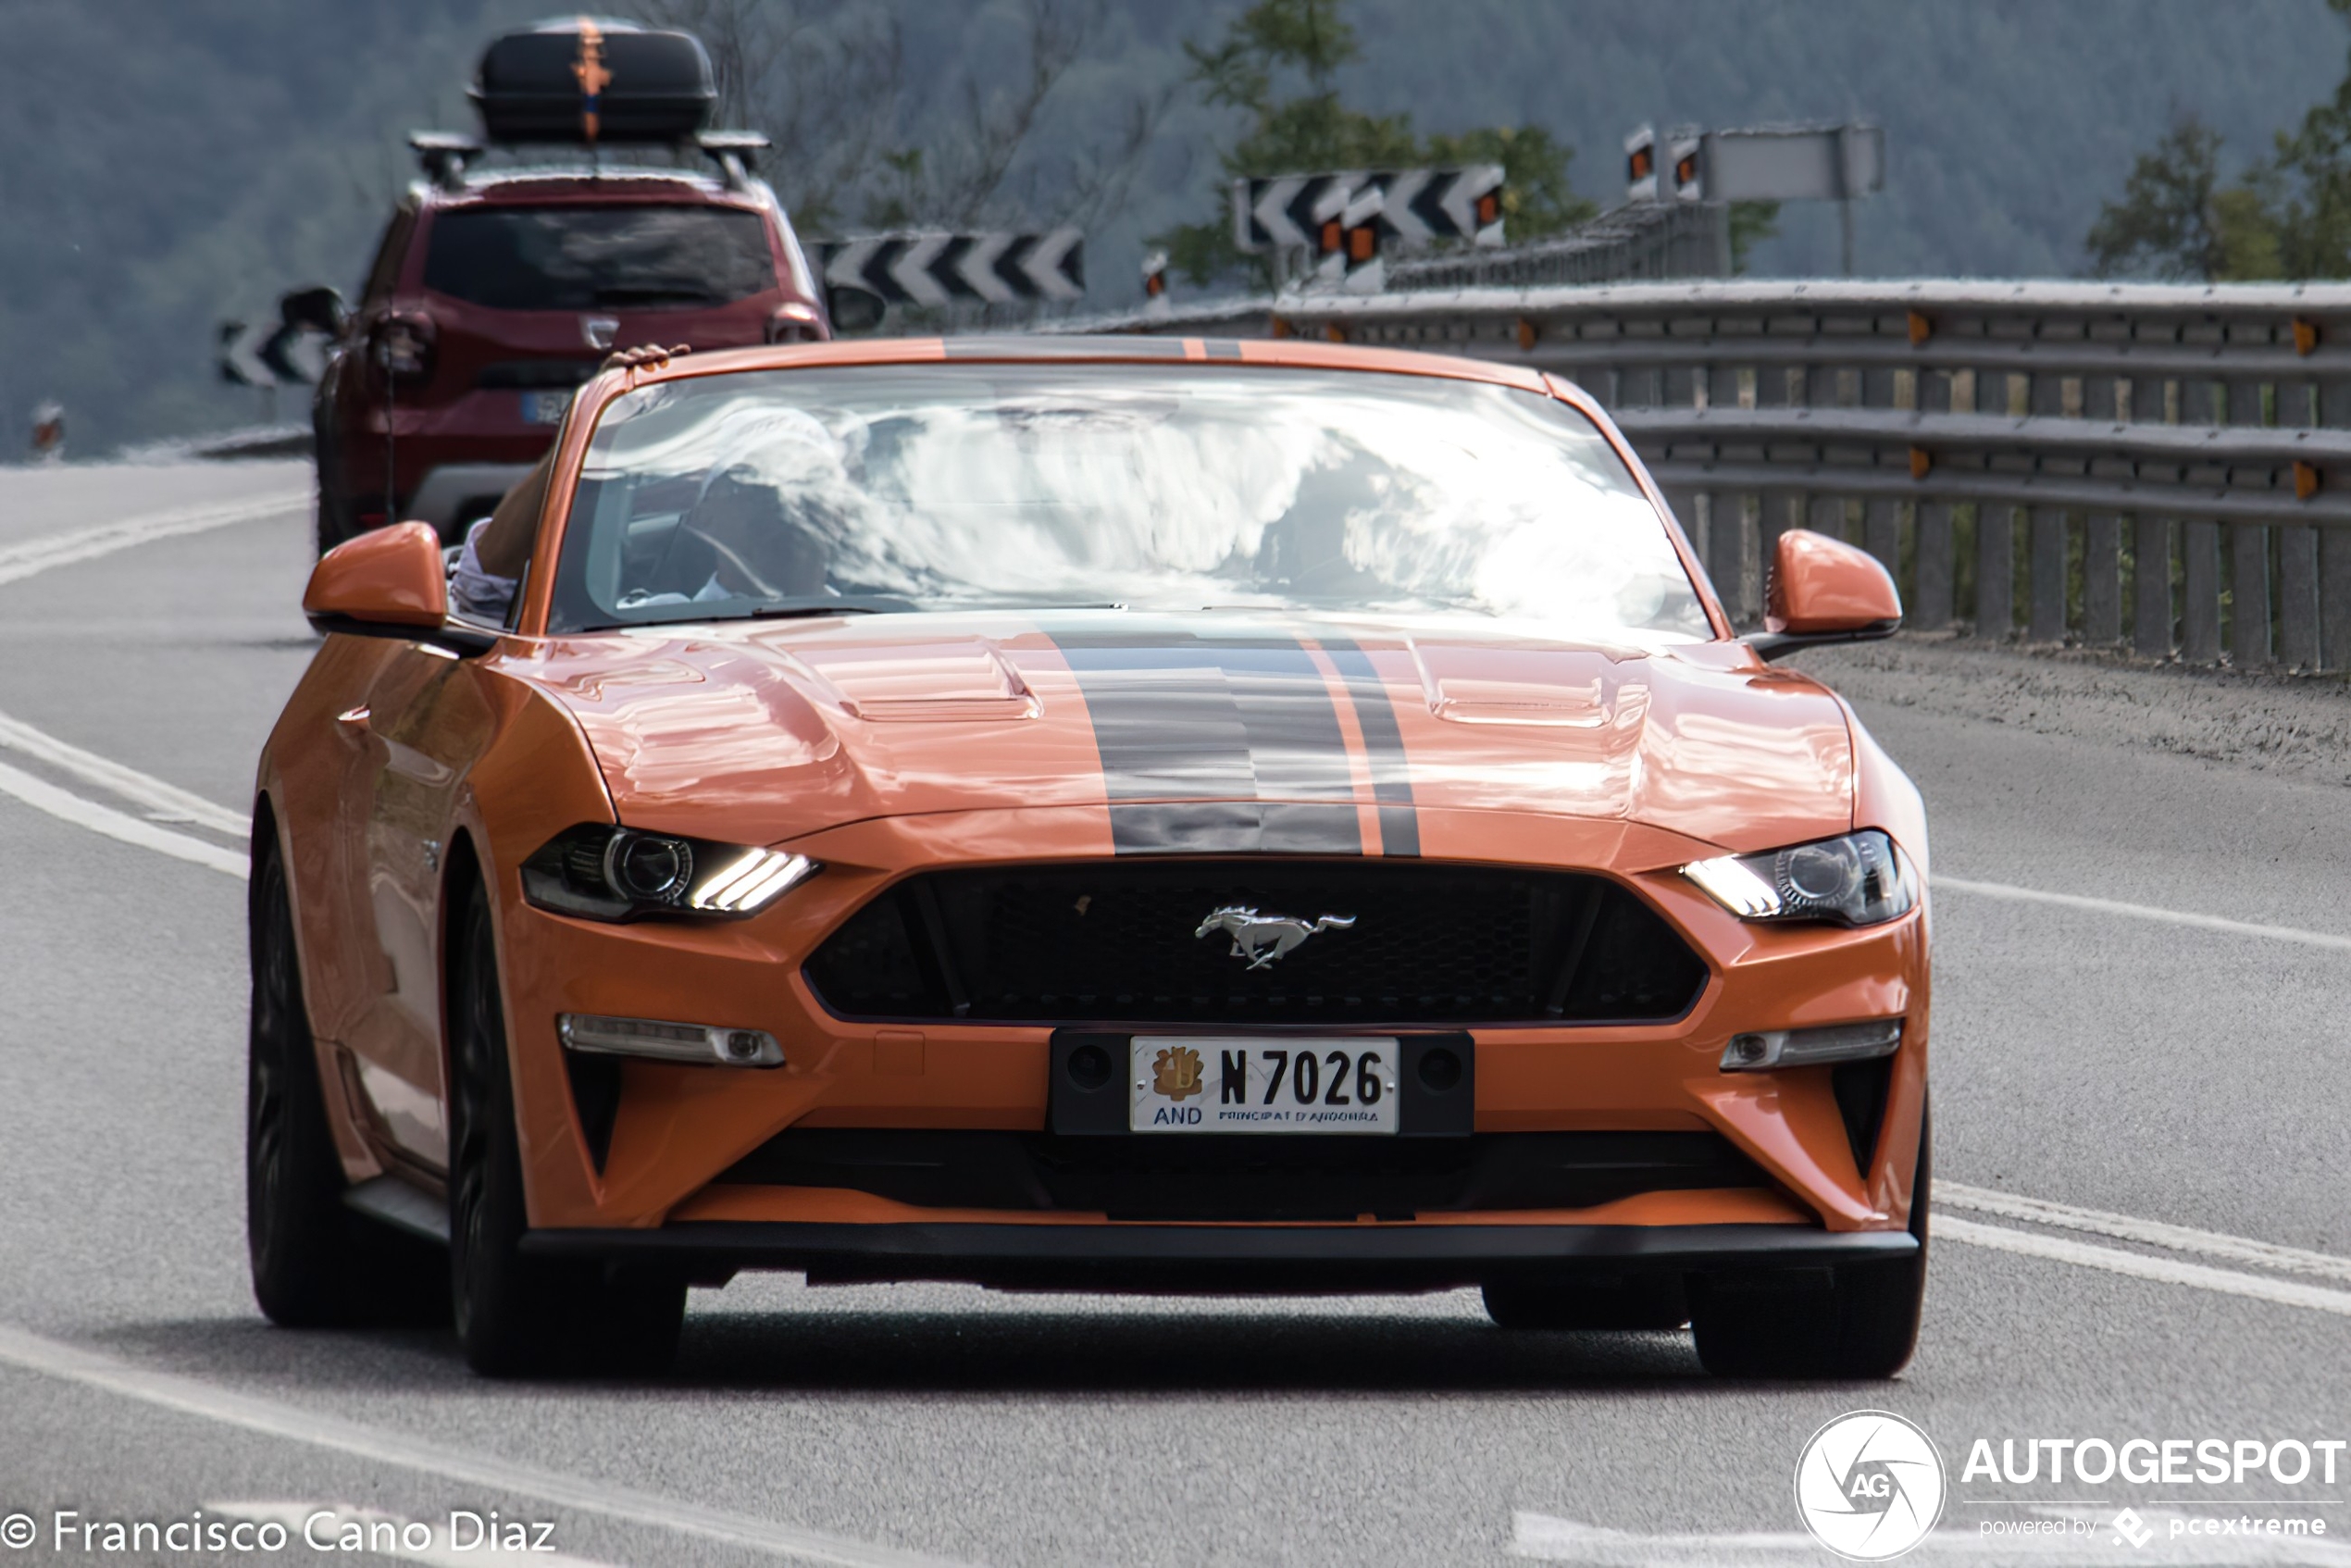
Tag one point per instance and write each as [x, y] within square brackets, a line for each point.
[1824, 590]
[318, 307]
[853, 309]
[390, 583]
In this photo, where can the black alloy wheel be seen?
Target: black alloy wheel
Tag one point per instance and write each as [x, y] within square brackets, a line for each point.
[1852, 1321]
[520, 1317]
[316, 1264]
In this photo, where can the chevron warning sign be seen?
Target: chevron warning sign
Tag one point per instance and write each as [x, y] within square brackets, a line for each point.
[938, 269]
[1419, 207]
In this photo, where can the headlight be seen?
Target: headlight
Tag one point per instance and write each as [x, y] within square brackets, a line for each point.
[1859, 880]
[607, 873]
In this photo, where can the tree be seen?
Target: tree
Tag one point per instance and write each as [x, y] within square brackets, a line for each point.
[2166, 221]
[1277, 64]
[826, 83]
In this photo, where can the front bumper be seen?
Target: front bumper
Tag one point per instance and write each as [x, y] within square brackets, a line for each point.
[1210, 1259]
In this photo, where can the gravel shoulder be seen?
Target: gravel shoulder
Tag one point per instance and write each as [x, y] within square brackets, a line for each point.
[2298, 726]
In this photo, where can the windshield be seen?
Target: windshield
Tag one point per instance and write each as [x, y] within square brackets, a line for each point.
[608, 258]
[934, 486]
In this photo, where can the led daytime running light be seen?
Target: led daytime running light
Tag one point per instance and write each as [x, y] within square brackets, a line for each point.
[752, 882]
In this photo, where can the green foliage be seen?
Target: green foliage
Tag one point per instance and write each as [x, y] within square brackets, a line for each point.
[1751, 223]
[1294, 44]
[2288, 217]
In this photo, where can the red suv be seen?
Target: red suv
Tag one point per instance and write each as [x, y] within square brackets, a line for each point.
[494, 294]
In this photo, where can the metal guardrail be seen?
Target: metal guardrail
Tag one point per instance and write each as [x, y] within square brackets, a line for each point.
[1641, 239]
[2051, 461]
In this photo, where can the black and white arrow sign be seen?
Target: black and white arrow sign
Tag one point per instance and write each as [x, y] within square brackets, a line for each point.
[240, 363]
[1419, 207]
[1288, 211]
[939, 269]
[1424, 205]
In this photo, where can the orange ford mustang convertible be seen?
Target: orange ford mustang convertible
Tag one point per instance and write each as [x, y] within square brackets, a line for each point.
[1123, 815]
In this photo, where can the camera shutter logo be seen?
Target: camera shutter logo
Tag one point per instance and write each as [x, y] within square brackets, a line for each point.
[1870, 1486]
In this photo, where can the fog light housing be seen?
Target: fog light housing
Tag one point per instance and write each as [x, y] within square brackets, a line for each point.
[1762, 1049]
[705, 1044]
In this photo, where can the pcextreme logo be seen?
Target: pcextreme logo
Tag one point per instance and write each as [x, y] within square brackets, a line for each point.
[1869, 1485]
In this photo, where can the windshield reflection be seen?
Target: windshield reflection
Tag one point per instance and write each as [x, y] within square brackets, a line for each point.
[1159, 487]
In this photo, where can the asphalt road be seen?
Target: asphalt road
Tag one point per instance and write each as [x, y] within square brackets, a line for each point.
[2127, 1070]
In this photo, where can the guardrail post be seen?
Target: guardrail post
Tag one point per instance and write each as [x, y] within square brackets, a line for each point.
[1995, 535]
[1727, 554]
[1882, 515]
[2151, 587]
[2297, 553]
[2102, 579]
[2335, 547]
[1931, 529]
[2249, 556]
[2199, 548]
[2045, 585]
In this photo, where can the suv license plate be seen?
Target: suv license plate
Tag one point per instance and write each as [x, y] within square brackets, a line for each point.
[1294, 1084]
[544, 408]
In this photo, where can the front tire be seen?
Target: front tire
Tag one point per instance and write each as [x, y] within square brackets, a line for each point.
[518, 1315]
[1860, 1321]
[316, 1264]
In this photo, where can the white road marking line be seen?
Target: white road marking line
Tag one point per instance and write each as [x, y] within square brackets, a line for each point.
[164, 803]
[2151, 1233]
[1553, 1540]
[2169, 1271]
[23, 559]
[189, 1397]
[2148, 912]
[66, 805]
[384, 1535]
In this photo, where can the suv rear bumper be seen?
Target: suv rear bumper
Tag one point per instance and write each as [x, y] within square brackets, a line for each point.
[1210, 1259]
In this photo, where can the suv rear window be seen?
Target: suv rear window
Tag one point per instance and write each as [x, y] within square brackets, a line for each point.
[609, 257]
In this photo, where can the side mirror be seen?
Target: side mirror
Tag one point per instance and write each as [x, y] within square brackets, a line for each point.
[1825, 590]
[321, 308]
[390, 583]
[853, 309]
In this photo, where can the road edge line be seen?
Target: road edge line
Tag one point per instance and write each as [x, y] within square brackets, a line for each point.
[2144, 912]
[192, 1397]
[66, 806]
[2168, 1271]
[2152, 1233]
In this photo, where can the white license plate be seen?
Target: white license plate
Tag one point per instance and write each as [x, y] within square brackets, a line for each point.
[1224, 1083]
[545, 407]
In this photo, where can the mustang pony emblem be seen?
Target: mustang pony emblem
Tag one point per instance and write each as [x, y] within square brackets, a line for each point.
[1261, 939]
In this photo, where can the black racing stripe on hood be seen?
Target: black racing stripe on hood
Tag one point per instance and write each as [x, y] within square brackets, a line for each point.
[1213, 745]
[1399, 821]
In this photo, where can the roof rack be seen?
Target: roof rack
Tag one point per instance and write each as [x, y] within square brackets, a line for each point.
[447, 155]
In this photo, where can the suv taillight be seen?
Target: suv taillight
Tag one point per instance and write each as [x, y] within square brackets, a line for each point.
[795, 323]
[401, 346]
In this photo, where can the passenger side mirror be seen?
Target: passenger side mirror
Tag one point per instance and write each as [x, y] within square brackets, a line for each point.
[390, 583]
[855, 309]
[1824, 590]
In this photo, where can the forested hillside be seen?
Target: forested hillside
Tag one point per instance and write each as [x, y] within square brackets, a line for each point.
[164, 163]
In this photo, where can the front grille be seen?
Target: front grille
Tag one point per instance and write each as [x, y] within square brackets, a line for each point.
[1211, 1177]
[1116, 942]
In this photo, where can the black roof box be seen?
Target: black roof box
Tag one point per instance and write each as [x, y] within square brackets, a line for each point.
[593, 81]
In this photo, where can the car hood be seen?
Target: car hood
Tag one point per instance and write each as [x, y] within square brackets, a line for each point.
[1221, 730]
